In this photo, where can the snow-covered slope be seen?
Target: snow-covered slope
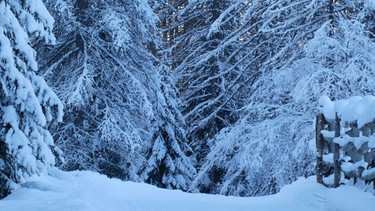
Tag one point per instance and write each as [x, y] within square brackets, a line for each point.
[91, 191]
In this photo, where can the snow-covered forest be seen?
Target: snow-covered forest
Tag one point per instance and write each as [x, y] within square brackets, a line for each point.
[202, 96]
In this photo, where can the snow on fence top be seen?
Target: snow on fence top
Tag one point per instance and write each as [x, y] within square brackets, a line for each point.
[355, 109]
[346, 142]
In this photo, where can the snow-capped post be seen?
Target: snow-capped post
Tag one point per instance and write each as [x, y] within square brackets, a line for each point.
[336, 154]
[320, 120]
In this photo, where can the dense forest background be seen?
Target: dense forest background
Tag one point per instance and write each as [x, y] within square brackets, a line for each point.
[200, 95]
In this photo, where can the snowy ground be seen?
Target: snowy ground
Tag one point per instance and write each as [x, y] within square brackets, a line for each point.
[91, 191]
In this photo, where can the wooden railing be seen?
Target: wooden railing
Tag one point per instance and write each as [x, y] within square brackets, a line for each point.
[344, 151]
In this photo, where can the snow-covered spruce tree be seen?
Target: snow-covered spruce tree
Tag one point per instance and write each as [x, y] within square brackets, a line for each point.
[199, 63]
[104, 77]
[167, 165]
[119, 105]
[268, 147]
[27, 103]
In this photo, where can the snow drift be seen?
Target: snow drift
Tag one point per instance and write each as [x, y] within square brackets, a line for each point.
[84, 190]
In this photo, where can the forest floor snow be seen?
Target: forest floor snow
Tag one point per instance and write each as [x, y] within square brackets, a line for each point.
[84, 190]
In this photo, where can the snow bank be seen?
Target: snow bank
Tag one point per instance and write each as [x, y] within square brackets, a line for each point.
[360, 109]
[91, 191]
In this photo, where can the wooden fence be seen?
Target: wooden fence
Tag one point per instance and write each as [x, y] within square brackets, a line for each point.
[344, 151]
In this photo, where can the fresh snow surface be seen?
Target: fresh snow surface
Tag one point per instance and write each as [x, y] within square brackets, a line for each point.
[84, 190]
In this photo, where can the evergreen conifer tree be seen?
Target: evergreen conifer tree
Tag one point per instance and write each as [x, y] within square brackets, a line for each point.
[27, 103]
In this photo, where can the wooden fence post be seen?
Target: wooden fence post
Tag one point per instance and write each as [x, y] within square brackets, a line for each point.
[319, 125]
[336, 155]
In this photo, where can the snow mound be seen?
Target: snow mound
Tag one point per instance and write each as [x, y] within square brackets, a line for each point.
[84, 190]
